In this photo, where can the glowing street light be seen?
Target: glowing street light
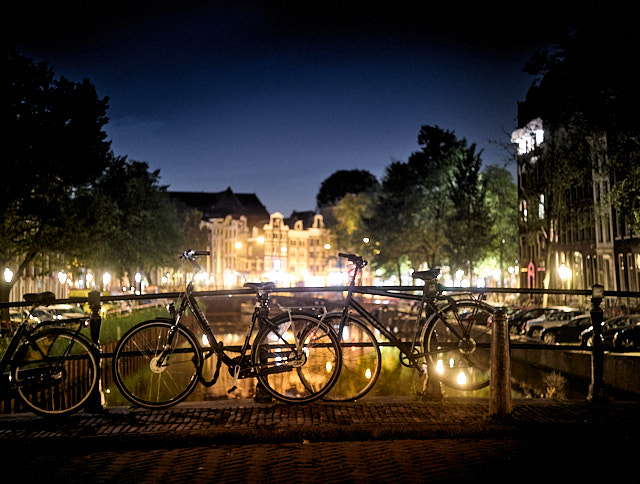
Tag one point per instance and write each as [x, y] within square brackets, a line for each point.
[564, 272]
[8, 275]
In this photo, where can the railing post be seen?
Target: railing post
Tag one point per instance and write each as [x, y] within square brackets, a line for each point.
[432, 386]
[500, 403]
[597, 388]
[94, 404]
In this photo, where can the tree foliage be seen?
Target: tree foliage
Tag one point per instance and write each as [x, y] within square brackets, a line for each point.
[502, 202]
[431, 210]
[141, 229]
[585, 94]
[67, 200]
[468, 227]
[54, 149]
[344, 182]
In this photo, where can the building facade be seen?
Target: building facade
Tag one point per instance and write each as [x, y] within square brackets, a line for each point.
[249, 245]
[590, 243]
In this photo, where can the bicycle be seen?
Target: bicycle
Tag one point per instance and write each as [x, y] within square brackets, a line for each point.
[54, 369]
[158, 363]
[451, 336]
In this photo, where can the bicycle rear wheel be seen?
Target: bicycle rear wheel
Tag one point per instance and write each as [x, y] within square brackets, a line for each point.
[58, 376]
[157, 364]
[298, 359]
[361, 360]
[457, 340]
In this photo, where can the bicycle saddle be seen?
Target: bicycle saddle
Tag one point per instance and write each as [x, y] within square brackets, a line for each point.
[261, 286]
[427, 275]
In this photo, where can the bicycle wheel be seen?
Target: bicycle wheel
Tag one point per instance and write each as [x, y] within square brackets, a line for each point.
[457, 340]
[297, 359]
[361, 360]
[156, 365]
[59, 376]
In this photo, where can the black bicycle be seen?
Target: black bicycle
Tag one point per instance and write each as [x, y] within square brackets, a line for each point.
[52, 366]
[451, 336]
[158, 363]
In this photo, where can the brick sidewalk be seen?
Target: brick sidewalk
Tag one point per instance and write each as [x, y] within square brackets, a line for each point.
[243, 421]
[377, 439]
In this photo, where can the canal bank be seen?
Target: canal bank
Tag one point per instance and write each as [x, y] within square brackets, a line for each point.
[621, 370]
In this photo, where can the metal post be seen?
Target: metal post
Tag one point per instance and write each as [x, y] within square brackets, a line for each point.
[597, 388]
[94, 403]
[432, 386]
[500, 403]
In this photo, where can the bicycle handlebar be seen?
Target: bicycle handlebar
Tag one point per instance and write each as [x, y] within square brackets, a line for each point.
[356, 259]
[191, 254]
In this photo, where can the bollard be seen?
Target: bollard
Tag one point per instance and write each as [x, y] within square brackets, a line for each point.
[500, 403]
[432, 386]
[95, 401]
[597, 388]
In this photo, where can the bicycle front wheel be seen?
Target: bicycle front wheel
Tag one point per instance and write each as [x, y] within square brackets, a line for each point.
[457, 341]
[57, 374]
[361, 360]
[297, 359]
[156, 364]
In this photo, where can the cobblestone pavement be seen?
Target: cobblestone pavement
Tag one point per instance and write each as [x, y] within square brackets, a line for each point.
[377, 439]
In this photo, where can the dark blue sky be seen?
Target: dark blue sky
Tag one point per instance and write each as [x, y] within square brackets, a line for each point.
[273, 100]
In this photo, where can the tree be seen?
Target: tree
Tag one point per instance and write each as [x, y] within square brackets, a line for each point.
[391, 226]
[434, 166]
[468, 223]
[415, 205]
[585, 96]
[54, 149]
[343, 182]
[143, 230]
[350, 213]
[502, 202]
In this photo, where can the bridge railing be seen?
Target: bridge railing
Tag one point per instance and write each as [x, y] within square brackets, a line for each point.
[499, 297]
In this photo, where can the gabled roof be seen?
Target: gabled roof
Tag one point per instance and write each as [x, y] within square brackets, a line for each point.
[221, 204]
[306, 218]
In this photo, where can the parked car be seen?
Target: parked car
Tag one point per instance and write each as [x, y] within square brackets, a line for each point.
[609, 329]
[533, 328]
[42, 315]
[66, 311]
[516, 320]
[627, 338]
[568, 332]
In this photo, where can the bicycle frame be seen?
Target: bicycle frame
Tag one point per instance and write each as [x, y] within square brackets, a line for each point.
[25, 334]
[427, 301]
[241, 365]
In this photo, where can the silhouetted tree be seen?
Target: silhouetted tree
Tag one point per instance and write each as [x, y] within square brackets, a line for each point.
[143, 230]
[343, 182]
[54, 147]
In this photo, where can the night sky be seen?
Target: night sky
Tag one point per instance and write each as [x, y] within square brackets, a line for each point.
[273, 97]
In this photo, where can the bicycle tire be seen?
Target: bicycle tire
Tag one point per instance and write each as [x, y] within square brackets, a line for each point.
[140, 378]
[457, 343]
[60, 377]
[293, 376]
[361, 359]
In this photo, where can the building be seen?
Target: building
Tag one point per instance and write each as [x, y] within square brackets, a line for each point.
[590, 243]
[247, 244]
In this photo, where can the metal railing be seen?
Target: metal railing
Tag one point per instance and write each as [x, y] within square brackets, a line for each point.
[500, 387]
